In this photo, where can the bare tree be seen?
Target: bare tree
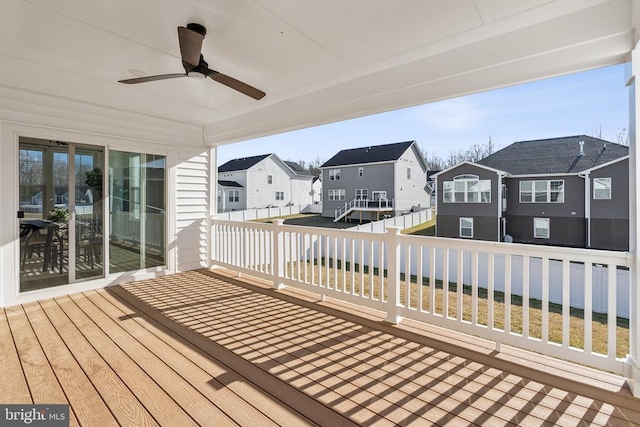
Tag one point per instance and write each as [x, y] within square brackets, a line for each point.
[596, 132]
[622, 136]
[472, 154]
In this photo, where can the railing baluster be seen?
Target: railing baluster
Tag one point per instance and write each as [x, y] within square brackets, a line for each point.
[432, 279]
[361, 268]
[445, 283]
[588, 306]
[545, 300]
[407, 274]
[566, 307]
[335, 264]
[526, 267]
[371, 271]
[490, 290]
[343, 264]
[460, 285]
[381, 268]
[474, 288]
[612, 314]
[507, 293]
[419, 274]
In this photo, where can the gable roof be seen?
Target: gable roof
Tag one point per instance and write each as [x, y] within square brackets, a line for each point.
[295, 166]
[224, 183]
[554, 155]
[372, 154]
[241, 164]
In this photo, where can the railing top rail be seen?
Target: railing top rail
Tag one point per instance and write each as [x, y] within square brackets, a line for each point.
[595, 256]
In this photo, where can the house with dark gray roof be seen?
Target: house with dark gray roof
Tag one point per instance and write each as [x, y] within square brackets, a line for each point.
[262, 181]
[368, 182]
[570, 191]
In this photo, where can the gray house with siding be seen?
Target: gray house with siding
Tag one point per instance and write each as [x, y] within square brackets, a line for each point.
[570, 191]
[369, 182]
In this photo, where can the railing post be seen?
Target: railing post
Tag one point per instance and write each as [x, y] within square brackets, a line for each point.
[277, 253]
[393, 274]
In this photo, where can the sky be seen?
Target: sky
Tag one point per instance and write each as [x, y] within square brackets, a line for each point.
[588, 103]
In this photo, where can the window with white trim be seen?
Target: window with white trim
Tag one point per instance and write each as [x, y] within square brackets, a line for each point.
[362, 194]
[548, 191]
[466, 189]
[338, 194]
[361, 171]
[269, 179]
[334, 174]
[466, 227]
[541, 228]
[279, 195]
[234, 196]
[601, 188]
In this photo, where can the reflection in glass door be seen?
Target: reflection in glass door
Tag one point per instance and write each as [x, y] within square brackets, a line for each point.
[137, 211]
[60, 202]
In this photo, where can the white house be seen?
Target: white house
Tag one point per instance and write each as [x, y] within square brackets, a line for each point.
[316, 189]
[262, 181]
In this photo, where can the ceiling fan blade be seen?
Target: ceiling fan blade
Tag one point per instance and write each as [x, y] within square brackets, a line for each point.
[237, 85]
[190, 45]
[152, 78]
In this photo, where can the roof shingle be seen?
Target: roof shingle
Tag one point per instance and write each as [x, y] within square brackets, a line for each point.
[372, 154]
[554, 155]
[241, 164]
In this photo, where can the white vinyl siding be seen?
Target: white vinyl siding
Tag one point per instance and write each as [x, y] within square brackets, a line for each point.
[602, 188]
[548, 191]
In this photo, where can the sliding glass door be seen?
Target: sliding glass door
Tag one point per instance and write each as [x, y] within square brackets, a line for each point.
[62, 196]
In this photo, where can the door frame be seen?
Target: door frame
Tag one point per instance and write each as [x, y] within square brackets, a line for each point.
[10, 134]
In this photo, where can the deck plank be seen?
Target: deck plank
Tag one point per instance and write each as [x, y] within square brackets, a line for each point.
[13, 385]
[43, 384]
[124, 406]
[87, 404]
[188, 368]
[163, 409]
[290, 397]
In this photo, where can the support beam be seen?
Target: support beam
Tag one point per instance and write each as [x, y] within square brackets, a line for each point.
[633, 359]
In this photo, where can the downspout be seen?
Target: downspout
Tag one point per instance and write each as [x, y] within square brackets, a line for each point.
[587, 204]
[500, 207]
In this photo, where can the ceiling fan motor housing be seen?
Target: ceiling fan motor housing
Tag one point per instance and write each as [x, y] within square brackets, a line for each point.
[197, 28]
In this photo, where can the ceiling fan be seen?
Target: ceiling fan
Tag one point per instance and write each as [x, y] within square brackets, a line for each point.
[190, 38]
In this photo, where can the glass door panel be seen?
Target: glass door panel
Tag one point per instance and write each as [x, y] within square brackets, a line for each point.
[43, 180]
[88, 207]
[137, 211]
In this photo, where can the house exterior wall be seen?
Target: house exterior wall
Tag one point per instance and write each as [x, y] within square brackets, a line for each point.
[300, 192]
[409, 192]
[376, 177]
[485, 215]
[609, 222]
[316, 187]
[567, 224]
[223, 203]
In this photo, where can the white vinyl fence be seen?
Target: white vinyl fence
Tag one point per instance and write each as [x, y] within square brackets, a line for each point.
[402, 221]
[260, 213]
[508, 293]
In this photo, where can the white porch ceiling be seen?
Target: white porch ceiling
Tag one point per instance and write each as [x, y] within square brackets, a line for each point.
[318, 61]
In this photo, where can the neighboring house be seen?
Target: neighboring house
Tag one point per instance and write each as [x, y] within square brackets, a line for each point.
[571, 191]
[372, 181]
[316, 190]
[262, 181]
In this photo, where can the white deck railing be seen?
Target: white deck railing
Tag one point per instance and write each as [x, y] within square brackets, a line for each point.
[540, 298]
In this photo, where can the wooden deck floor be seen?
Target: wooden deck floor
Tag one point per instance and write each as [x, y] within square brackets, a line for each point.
[198, 348]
